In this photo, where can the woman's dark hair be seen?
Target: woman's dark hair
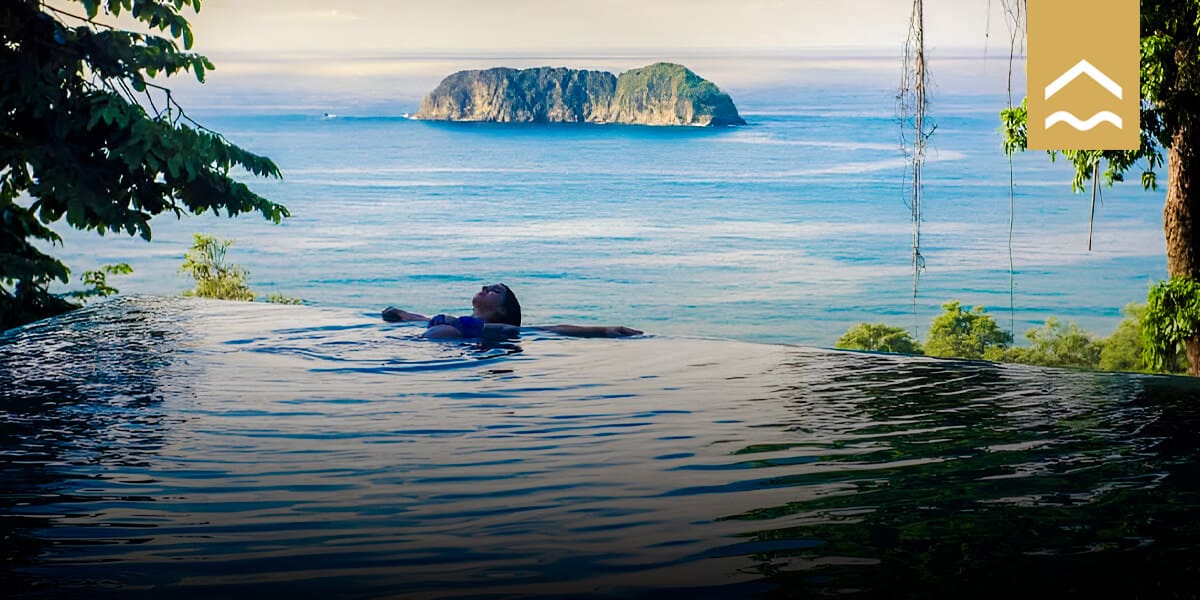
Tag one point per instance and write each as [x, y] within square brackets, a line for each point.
[512, 308]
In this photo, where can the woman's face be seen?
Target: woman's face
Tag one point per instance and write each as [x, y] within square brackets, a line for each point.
[489, 299]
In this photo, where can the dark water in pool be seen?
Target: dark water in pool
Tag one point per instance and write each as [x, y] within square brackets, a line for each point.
[188, 449]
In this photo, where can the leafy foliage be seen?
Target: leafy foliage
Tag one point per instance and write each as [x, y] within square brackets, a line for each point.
[878, 337]
[669, 80]
[971, 334]
[87, 137]
[215, 278]
[958, 333]
[1123, 349]
[97, 281]
[1172, 317]
[1057, 345]
[218, 278]
[278, 298]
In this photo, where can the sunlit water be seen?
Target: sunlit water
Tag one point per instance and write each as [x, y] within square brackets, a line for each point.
[198, 449]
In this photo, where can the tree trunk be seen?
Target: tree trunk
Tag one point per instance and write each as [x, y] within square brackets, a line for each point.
[1180, 215]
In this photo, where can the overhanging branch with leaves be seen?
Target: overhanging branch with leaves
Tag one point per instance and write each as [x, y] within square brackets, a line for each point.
[84, 140]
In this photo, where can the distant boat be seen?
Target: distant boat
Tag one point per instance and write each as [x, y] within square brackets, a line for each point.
[328, 116]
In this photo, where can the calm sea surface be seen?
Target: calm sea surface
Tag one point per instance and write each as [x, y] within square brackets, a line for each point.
[790, 229]
[196, 449]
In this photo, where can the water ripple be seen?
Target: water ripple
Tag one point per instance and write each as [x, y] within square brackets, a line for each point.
[155, 446]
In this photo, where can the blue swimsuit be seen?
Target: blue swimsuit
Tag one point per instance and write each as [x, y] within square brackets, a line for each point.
[469, 327]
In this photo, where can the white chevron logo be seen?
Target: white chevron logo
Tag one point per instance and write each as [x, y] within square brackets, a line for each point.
[1084, 67]
[1070, 119]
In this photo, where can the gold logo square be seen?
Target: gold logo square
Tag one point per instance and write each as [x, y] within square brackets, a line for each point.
[1083, 77]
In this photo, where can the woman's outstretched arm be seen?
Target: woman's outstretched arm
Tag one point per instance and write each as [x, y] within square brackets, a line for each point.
[395, 315]
[592, 330]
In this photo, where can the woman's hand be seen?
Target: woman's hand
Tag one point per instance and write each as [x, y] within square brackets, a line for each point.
[620, 331]
[593, 330]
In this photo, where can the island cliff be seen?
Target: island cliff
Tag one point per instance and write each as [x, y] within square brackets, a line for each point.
[660, 94]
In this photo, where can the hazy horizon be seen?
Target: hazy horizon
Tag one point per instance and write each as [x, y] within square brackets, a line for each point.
[555, 25]
[375, 56]
[381, 84]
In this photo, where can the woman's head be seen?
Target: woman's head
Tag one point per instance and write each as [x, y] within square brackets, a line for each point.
[496, 303]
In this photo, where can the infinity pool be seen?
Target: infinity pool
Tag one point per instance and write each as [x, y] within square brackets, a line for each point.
[161, 447]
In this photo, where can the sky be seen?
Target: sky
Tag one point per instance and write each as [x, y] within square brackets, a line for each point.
[385, 55]
[404, 26]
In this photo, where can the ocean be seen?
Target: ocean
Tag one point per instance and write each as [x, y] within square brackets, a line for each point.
[790, 229]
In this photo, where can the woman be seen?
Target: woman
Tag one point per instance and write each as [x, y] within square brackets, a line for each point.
[497, 315]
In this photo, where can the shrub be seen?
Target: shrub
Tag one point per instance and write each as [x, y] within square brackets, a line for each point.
[1123, 349]
[1058, 345]
[969, 334]
[1172, 317]
[277, 298]
[215, 278]
[879, 337]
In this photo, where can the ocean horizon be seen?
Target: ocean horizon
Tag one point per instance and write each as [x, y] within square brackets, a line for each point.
[788, 230]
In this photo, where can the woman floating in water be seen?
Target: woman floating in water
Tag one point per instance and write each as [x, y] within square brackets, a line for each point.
[497, 315]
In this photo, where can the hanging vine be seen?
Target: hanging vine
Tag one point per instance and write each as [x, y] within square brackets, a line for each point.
[1013, 16]
[915, 130]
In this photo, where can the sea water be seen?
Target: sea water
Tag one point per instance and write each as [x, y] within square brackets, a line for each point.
[790, 229]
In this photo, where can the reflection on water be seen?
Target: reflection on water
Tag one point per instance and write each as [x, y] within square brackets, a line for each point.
[178, 447]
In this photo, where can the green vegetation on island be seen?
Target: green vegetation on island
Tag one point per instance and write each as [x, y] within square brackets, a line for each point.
[659, 94]
[666, 92]
[90, 139]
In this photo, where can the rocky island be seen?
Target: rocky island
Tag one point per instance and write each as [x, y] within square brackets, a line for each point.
[660, 94]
